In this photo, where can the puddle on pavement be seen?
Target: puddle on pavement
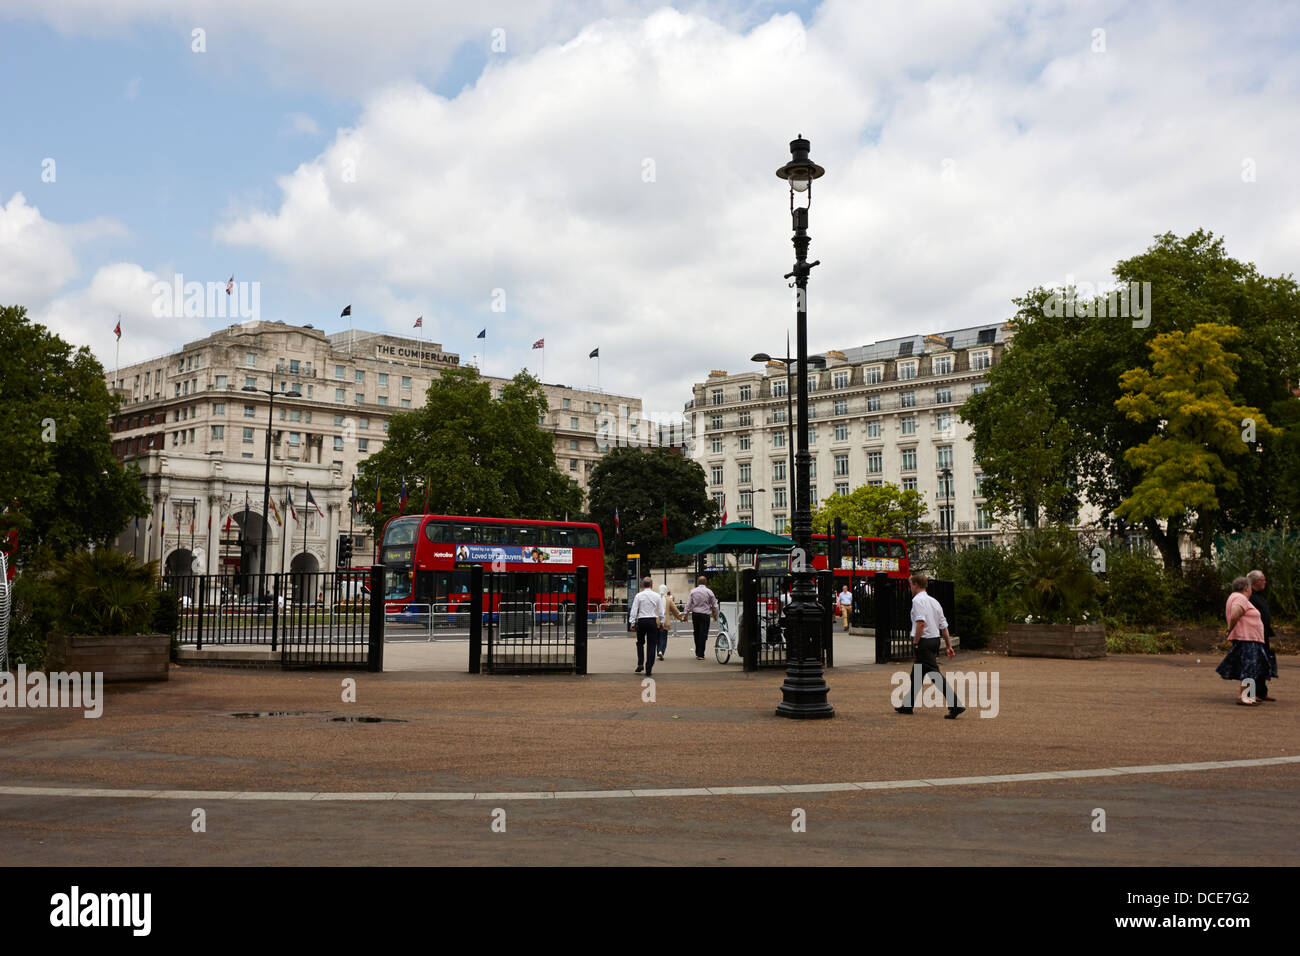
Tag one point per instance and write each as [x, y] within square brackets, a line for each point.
[273, 713]
[368, 720]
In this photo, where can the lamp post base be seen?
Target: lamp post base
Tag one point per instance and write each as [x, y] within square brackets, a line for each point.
[803, 695]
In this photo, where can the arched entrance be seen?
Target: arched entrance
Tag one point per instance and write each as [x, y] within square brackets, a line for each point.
[306, 579]
[240, 559]
[178, 575]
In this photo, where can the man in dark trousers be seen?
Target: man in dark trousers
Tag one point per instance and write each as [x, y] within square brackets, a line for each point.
[1260, 600]
[700, 604]
[647, 615]
[928, 623]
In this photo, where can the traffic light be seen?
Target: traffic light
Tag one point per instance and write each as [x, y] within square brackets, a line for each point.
[345, 551]
[837, 542]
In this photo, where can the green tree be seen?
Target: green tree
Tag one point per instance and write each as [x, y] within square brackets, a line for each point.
[58, 463]
[476, 453]
[644, 484]
[1185, 467]
[883, 511]
[1060, 376]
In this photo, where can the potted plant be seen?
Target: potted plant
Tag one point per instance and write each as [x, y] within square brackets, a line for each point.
[1054, 596]
[109, 607]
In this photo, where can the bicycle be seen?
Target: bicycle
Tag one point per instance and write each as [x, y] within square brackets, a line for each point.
[725, 642]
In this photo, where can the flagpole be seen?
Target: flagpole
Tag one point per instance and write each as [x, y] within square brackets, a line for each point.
[284, 539]
[352, 510]
[117, 352]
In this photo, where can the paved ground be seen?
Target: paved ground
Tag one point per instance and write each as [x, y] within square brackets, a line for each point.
[710, 726]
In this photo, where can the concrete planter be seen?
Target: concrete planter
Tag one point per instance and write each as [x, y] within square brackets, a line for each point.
[118, 658]
[1070, 641]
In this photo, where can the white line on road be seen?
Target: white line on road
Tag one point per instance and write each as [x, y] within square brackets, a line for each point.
[719, 791]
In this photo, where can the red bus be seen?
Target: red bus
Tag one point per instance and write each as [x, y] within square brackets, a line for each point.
[864, 556]
[428, 560]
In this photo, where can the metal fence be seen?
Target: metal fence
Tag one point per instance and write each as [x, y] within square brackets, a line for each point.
[518, 625]
[884, 605]
[764, 629]
[310, 619]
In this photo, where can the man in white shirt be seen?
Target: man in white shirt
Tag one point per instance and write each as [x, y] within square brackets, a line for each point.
[928, 623]
[647, 615]
[846, 605]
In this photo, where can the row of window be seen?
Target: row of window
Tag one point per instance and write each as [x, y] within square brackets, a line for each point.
[871, 375]
[875, 465]
[943, 423]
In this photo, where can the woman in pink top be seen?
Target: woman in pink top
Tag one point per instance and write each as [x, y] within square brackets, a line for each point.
[1247, 661]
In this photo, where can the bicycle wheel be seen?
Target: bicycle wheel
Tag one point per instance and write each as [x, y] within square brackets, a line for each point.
[722, 648]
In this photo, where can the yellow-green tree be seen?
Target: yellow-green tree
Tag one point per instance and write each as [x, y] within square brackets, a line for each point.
[881, 511]
[1189, 463]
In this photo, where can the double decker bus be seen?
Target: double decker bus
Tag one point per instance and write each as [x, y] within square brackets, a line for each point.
[428, 558]
[862, 556]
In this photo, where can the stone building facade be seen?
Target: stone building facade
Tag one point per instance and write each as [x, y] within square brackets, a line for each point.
[199, 439]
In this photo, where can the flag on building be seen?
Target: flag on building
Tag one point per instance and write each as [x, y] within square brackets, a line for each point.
[419, 323]
[482, 335]
[231, 284]
[228, 517]
[347, 310]
[275, 511]
[618, 533]
[595, 353]
[311, 502]
[402, 500]
[665, 519]
[354, 494]
[245, 509]
[540, 344]
[378, 499]
[292, 510]
[118, 330]
[724, 509]
[426, 496]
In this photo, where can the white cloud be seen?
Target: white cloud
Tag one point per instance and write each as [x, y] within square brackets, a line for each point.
[37, 257]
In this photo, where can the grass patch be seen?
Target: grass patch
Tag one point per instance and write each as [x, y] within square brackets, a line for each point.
[1127, 643]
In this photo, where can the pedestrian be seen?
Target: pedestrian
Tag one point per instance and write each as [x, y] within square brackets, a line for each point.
[928, 623]
[671, 613]
[1247, 661]
[647, 615]
[846, 605]
[1258, 598]
[700, 604]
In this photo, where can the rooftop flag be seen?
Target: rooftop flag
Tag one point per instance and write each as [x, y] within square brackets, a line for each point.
[595, 353]
[419, 323]
[482, 335]
[347, 310]
[231, 284]
[118, 331]
[540, 344]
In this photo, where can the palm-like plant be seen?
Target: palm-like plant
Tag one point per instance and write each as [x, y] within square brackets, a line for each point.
[1051, 578]
[106, 592]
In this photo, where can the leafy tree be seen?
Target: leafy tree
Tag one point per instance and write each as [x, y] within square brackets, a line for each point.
[642, 483]
[884, 511]
[58, 463]
[1184, 467]
[478, 454]
[1052, 396]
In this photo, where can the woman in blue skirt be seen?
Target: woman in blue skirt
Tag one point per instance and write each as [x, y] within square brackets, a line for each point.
[1247, 661]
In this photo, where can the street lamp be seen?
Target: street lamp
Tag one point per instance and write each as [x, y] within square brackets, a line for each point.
[804, 691]
[814, 361]
[947, 497]
[266, 488]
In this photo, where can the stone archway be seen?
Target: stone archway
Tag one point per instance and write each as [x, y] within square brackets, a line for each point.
[241, 556]
[305, 578]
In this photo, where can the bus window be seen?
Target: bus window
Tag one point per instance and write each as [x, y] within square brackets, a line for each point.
[548, 537]
[439, 532]
[401, 531]
[527, 536]
[896, 550]
[465, 534]
[881, 548]
[492, 534]
[584, 538]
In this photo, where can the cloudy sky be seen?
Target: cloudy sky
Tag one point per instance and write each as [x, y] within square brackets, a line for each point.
[608, 165]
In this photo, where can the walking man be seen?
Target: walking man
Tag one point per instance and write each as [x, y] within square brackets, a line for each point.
[1260, 600]
[928, 623]
[647, 615]
[699, 605]
[846, 605]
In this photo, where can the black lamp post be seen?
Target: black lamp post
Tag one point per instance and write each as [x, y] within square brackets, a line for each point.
[814, 361]
[266, 488]
[947, 497]
[804, 691]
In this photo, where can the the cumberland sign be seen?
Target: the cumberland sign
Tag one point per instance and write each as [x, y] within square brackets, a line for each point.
[402, 352]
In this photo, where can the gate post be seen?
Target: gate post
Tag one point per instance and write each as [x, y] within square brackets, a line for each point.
[476, 619]
[203, 597]
[883, 598]
[275, 609]
[375, 653]
[580, 622]
[829, 600]
[749, 622]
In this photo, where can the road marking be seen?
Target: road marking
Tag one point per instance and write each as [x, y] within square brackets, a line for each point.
[305, 795]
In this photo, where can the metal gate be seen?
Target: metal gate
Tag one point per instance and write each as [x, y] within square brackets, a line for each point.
[527, 622]
[308, 619]
[885, 605]
[764, 629]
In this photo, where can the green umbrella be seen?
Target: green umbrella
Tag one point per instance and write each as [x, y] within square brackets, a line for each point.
[736, 536]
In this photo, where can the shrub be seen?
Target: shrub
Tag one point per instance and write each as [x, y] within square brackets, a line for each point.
[166, 613]
[1200, 593]
[1277, 554]
[974, 621]
[1137, 589]
[32, 617]
[1051, 578]
[105, 592]
[1126, 643]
